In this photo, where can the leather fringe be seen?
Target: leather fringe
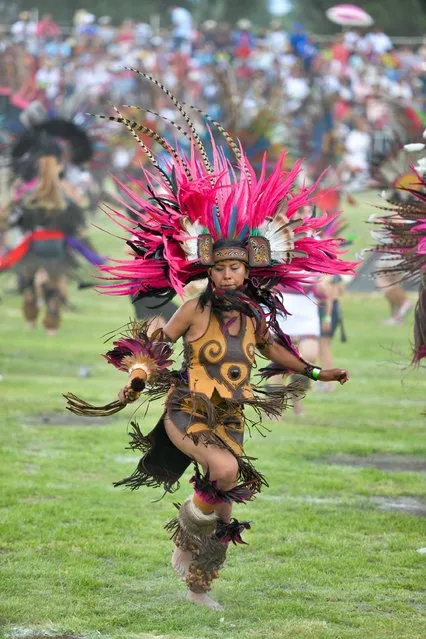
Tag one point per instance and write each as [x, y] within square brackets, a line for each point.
[79, 406]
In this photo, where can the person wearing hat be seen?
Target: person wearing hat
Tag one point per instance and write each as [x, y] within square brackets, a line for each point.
[209, 218]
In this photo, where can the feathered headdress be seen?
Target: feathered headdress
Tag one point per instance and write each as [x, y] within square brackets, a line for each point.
[401, 240]
[191, 201]
[42, 139]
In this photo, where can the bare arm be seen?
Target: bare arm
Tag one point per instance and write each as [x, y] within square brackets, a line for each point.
[280, 355]
[181, 321]
[175, 328]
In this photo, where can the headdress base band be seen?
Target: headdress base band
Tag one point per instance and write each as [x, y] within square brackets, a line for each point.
[258, 253]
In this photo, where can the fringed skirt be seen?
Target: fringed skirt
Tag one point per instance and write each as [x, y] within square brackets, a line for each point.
[211, 422]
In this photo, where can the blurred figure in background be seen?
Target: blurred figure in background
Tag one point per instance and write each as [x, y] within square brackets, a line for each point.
[182, 29]
[329, 290]
[43, 259]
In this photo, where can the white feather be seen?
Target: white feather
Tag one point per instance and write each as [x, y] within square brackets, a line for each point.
[381, 237]
[280, 236]
[190, 245]
[414, 147]
[362, 253]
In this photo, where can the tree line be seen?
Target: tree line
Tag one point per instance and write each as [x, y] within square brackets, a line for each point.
[396, 17]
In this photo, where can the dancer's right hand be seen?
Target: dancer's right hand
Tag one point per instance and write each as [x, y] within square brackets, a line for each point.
[131, 392]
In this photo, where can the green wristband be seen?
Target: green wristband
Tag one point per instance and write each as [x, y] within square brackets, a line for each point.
[316, 373]
[313, 372]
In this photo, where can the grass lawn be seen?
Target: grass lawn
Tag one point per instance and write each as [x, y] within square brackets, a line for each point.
[333, 548]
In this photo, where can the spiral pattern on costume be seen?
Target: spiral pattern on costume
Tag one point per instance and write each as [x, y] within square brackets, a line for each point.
[212, 352]
[250, 349]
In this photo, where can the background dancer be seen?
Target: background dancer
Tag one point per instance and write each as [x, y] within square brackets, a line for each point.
[50, 224]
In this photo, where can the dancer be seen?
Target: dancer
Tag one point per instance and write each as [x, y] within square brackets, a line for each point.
[208, 218]
[397, 180]
[401, 238]
[51, 225]
[44, 215]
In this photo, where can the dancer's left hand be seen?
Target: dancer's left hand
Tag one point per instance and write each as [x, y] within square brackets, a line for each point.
[334, 375]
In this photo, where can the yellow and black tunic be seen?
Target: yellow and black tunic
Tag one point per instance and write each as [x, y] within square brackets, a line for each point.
[218, 365]
[206, 403]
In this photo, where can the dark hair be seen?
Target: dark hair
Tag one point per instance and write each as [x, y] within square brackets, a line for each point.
[258, 302]
[250, 299]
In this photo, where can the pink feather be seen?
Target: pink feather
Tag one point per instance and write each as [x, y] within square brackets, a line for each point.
[196, 197]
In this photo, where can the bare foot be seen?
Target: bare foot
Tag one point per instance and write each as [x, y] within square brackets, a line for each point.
[32, 325]
[180, 561]
[201, 599]
[51, 332]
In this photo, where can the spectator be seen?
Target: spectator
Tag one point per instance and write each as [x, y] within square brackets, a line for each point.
[302, 44]
[243, 39]
[106, 31]
[182, 29]
[126, 32]
[47, 28]
[379, 43]
[49, 77]
[339, 51]
[238, 75]
[143, 34]
[357, 152]
[276, 38]
[58, 47]
[24, 28]
[296, 87]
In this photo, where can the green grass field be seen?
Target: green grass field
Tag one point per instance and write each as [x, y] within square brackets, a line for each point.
[327, 556]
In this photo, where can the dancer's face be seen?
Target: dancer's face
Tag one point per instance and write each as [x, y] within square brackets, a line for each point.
[228, 274]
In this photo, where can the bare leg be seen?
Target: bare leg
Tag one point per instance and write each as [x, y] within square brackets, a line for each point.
[325, 352]
[221, 464]
[309, 350]
[181, 560]
[396, 297]
[223, 468]
[326, 359]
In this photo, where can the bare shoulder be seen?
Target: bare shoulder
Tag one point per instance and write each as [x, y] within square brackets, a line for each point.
[191, 309]
[192, 306]
[187, 317]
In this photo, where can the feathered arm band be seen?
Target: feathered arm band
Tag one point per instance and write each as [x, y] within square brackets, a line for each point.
[142, 355]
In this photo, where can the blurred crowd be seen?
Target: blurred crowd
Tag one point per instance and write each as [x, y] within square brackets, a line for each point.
[273, 87]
